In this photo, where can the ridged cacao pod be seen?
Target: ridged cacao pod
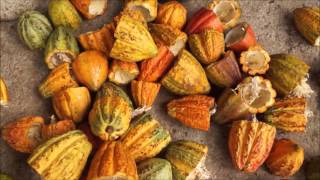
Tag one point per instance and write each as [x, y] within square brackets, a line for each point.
[146, 138]
[63, 13]
[207, 46]
[128, 47]
[100, 40]
[90, 8]
[61, 47]
[147, 7]
[313, 167]
[307, 22]
[186, 77]
[187, 159]
[288, 114]
[286, 158]
[62, 157]
[72, 103]
[288, 75]
[224, 72]
[122, 72]
[250, 143]
[144, 93]
[56, 129]
[255, 60]
[112, 161]
[110, 89]
[172, 13]
[23, 134]
[155, 169]
[193, 111]
[34, 29]
[137, 15]
[91, 69]
[4, 97]
[59, 79]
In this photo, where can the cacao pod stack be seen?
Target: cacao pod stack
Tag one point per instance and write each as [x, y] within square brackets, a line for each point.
[250, 143]
[62, 157]
[148, 8]
[187, 159]
[286, 158]
[4, 97]
[112, 161]
[90, 8]
[34, 29]
[186, 77]
[172, 13]
[155, 169]
[61, 47]
[288, 114]
[146, 138]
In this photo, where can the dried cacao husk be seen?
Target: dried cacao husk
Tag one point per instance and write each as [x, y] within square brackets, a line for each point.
[172, 13]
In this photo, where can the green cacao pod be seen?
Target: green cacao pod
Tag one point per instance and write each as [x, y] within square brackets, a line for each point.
[61, 47]
[63, 13]
[34, 29]
[146, 138]
[155, 169]
[288, 75]
[111, 113]
[62, 157]
[187, 160]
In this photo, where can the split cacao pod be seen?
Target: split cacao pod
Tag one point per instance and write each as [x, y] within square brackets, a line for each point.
[155, 169]
[122, 72]
[144, 93]
[250, 143]
[147, 7]
[145, 138]
[90, 8]
[172, 13]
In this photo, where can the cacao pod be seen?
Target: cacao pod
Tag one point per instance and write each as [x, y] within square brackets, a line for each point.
[112, 161]
[62, 157]
[128, 47]
[286, 158]
[187, 159]
[240, 37]
[288, 75]
[135, 14]
[59, 79]
[122, 72]
[155, 169]
[95, 141]
[147, 7]
[144, 93]
[250, 143]
[186, 77]
[56, 129]
[63, 13]
[34, 29]
[90, 8]
[91, 69]
[110, 89]
[207, 46]
[172, 13]
[193, 111]
[23, 134]
[313, 167]
[61, 47]
[255, 60]
[288, 114]
[145, 138]
[4, 97]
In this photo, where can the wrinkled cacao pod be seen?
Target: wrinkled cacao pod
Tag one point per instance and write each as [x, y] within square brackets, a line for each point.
[172, 13]
[155, 169]
[144, 93]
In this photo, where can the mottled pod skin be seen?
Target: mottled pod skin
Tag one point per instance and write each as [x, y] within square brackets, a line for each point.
[207, 46]
[4, 95]
[112, 161]
[128, 47]
[111, 89]
[90, 8]
[100, 40]
[72, 103]
[122, 72]
[155, 169]
[63, 13]
[23, 134]
[62, 157]
[146, 138]
[307, 22]
[172, 13]
[286, 158]
[152, 69]
[144, 93]
[193, 111]
[286, 72]
[148, 8]
[57, 128]
[250, 143]
[202, 20]
[34, 29]
[59, 78]
[91, 69]
[186, 77]
[288, 114]
[187, 159]
[224, 72]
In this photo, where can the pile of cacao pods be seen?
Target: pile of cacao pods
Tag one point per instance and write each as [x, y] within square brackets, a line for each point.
[149, 45]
